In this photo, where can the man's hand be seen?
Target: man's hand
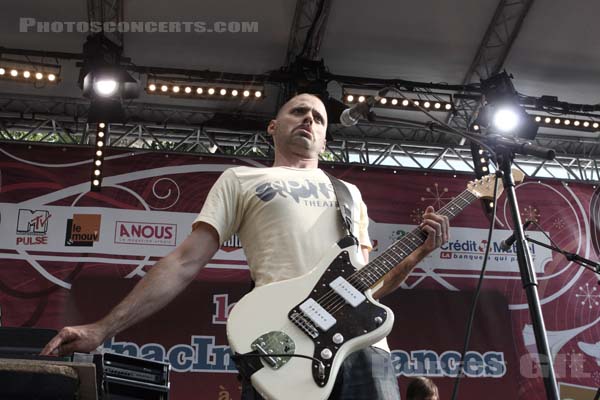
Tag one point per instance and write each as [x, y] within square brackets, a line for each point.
[82, 338]
[436, 226]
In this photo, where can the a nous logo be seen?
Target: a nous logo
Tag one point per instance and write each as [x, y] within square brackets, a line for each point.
[145, 233]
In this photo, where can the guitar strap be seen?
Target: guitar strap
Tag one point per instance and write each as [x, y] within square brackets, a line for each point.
[249, 363]
[345, 203]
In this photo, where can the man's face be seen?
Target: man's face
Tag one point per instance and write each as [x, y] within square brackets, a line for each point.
[300, 126]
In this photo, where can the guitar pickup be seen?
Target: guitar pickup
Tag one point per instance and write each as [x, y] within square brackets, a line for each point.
[317, 314]
[348, 292]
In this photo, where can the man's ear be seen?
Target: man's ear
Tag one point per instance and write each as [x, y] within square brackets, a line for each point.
[271, 127]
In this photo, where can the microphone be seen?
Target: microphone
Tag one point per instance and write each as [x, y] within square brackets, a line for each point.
[507, 243]
[351, 116]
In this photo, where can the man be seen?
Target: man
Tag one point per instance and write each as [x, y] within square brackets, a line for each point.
[282, 235]
[422, 388]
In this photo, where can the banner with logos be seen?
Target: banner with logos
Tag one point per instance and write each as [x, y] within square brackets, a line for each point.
[67, 255]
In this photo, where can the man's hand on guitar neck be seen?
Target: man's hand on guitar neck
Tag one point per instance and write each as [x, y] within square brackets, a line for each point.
[437, 227]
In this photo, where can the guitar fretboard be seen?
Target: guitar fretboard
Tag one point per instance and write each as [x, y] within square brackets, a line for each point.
[385, 262]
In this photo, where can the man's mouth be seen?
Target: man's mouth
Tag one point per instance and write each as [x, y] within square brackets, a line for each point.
[305, 132]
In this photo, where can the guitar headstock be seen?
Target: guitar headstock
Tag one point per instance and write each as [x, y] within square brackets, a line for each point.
[484, 188]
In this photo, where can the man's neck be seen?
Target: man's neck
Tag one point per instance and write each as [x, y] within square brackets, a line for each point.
[295, 162]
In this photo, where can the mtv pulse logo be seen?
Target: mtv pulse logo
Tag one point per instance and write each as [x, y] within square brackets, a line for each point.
[83, 230]
[145, 233]
[32, 227]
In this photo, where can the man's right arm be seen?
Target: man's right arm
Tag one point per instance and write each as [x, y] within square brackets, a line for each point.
[165, 280]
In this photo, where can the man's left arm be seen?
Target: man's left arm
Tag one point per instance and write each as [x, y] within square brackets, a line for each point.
[436, 226]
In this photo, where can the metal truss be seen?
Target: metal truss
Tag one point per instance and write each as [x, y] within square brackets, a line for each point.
[183, 130]
[107, 11]
[491, 54]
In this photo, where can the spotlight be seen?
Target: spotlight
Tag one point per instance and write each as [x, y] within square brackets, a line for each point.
[350, 98]
[96, 178]
[175, 89]
[199, 90]
[188, 89]
[152, 87]
[164, 88]
[383, 100]
[211, 91]
[505, 120]
[437, 106]
[234, 92]
[39, 76]
[426, 104]
[394, 102]
[26, 74]
[246, 93]
[51, 77]
[223, 92]
[361, 99]
[14, 72]
[405, 102]
[448, 106]
[595, 125]
[2, 71]
[105, 87]
[257, 94]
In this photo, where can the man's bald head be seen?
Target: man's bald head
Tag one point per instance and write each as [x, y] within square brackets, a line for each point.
[294, 99]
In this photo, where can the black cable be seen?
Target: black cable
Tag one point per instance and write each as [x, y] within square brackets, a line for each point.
[312, 28]
[476, 298]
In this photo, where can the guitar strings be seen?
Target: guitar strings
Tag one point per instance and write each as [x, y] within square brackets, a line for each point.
[334, 302]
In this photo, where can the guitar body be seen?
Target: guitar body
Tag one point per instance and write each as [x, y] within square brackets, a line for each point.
[269, 320]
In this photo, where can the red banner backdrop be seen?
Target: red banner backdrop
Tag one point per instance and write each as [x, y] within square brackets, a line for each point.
[68, 255]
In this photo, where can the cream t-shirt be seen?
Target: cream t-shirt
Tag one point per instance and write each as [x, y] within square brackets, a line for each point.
[286, 218]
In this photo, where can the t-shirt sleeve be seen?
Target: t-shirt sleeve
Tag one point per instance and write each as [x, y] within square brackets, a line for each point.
[222, 209]
[363, 227]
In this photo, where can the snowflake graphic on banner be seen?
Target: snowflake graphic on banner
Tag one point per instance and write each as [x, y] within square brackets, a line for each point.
[530, 213]
[588, 295]
[558, 223]
[437, 196]
[416, 215]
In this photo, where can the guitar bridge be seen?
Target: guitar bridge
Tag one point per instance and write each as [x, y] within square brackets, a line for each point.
[305, 324]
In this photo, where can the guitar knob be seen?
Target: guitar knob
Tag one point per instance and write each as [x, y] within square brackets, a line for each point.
[326, 354]
[378, 320]
[338, 338]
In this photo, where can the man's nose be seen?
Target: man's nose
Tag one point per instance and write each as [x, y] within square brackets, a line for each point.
[308, 118]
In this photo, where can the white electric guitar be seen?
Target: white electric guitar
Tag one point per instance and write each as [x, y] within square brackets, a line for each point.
[292, 336]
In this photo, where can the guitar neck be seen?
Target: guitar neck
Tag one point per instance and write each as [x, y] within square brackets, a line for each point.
[399, 250]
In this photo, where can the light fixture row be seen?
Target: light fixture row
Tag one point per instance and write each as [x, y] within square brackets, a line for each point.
[27, 75]
[98, 161]
[205, 91]
[567, 123]
[398, 103]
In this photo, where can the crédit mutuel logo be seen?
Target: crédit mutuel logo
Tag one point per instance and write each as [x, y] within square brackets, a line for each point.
[32, 227]
[83, 230]
[145, 233]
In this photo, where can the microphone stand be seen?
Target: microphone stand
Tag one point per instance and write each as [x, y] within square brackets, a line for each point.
[505, 154]
[577, 259]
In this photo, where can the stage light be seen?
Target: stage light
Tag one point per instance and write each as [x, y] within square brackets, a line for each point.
[361, 99]
[234, 92]
[405, 103]
[199, 90]
[246, 93]
[188, 89]
[14, 73]
[586, 124]
[176, 89]
[2, 71]
[394, 102]
[222, 92]
[105, 87]
[576, 123]
[427, 104]
[211, 91]
[538, 119]
[475, 127]
[567, 122]
[258, 93]
[437, 106]
[216, 92]
[20, 71]
[416, 103]
[39, 76]
[557, 121]
[152, 87]
[101, 139]
[349, 98]
[383, 100]
[448, 106]
[164, 88]
[505, 120]
[26, 74]
[51, 77]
